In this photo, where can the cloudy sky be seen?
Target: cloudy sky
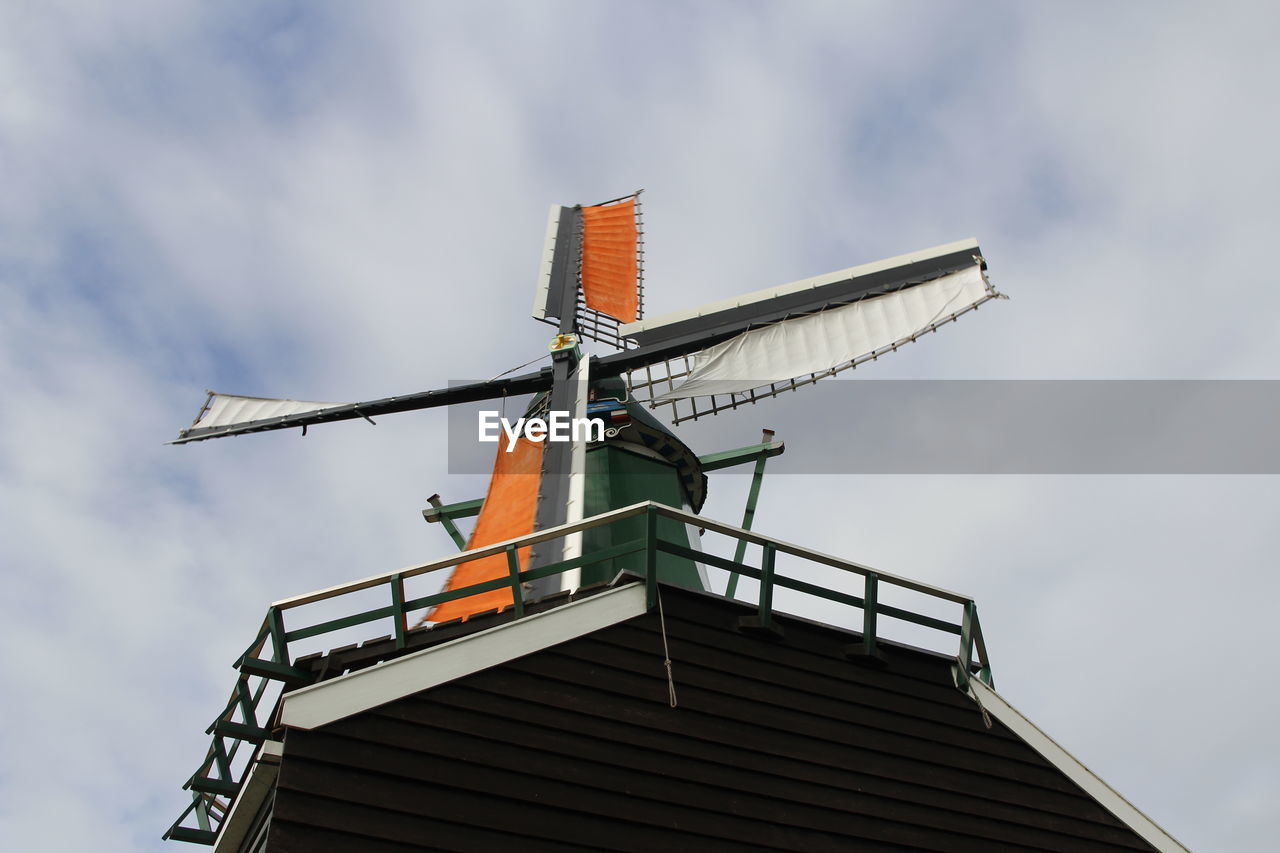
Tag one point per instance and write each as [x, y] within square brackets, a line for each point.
[347, 201]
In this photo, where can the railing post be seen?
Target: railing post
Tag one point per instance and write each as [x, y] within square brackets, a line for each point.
[966, 645]
[766, 586]
[870, 598]
[279, 645]
[397, 607]
[651, 555]
[513, 570]
[984, 672]
[866, 652]
[762, 624]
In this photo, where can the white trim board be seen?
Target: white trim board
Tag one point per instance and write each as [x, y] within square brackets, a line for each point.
[323, 703]
[543, 289]
[576, 505]
[1108, 797]
[258, 783]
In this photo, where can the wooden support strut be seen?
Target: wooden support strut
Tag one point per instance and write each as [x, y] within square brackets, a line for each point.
[446, 513]
[748, 515]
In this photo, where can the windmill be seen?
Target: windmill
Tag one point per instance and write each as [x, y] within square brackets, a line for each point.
[539, 709]
[702, 361]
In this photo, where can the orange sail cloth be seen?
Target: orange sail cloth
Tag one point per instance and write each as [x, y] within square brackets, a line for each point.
[508, 512]
[609, 268]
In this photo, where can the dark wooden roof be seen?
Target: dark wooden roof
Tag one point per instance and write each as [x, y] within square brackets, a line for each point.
[775, 744]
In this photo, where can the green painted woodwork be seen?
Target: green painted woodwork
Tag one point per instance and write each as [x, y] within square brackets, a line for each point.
[461, 509]
[445, 514]
[289, 675]
[761, 454]
[513, 570]
[870, 599]
[397, 607]
[617, 478]
[741, 456]
[197, 836]
[645, 542]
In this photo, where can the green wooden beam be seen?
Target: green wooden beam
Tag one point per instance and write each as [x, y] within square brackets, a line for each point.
[766, 585]
[279, 639]
[204, 835]
[965, 658]
[651, 556]
[808, 588]
[445, 514]
[454, 594]
[290, 675]
[870, 598]
[707, 559]
[197, 836]
[742, 455]
[461, 509]
[221, 760]
[227, 728]
[209, 785]
[344, 622]
[244, 697]
[631, 547]
[749, 514]
[918, 619]
[397, 610]
[201, 808]
[513, 571]
[255, 648]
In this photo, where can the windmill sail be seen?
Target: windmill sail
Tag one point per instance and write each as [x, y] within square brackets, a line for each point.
[507, 513]
[831, 340]
[242, 415]
[720, 356]
[592, 273]
[673, 359]
[223, 410]
[610, 267]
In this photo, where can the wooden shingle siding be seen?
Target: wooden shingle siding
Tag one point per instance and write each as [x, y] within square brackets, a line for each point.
[776, 745]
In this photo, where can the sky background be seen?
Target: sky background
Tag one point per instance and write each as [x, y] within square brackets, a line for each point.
[339, 201]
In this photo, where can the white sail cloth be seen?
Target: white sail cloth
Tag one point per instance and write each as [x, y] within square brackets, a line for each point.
[228, 409]
[832, 338]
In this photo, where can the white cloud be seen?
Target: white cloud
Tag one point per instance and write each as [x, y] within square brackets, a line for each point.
[330, 202]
